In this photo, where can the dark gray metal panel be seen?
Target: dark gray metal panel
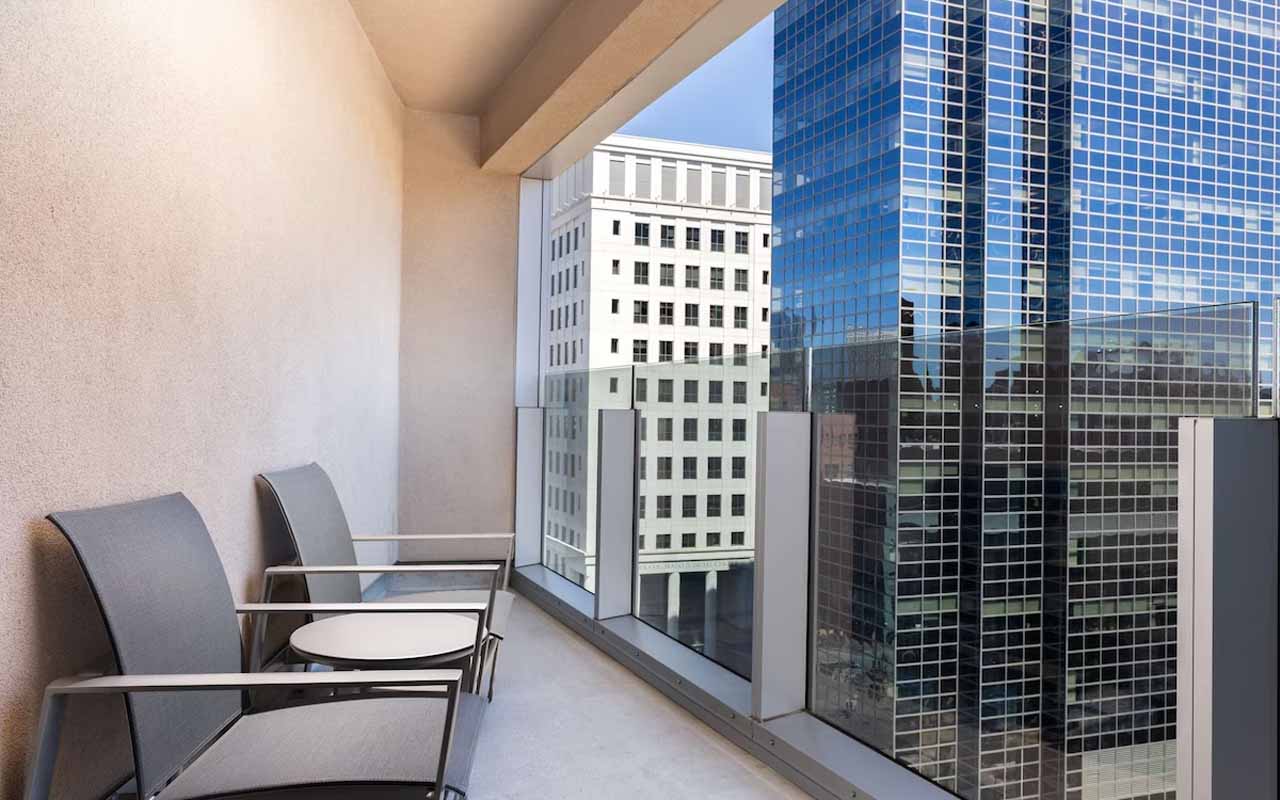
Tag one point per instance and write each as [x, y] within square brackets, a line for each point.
[529, 453]
[1229, 473]
[615, 512]
[781, 610]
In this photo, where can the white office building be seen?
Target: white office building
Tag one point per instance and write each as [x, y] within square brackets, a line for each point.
[657, 294]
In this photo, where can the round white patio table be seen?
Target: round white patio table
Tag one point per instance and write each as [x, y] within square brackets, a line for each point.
[386, 641]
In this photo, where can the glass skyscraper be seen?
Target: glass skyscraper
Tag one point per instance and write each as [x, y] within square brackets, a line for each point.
[995, 576]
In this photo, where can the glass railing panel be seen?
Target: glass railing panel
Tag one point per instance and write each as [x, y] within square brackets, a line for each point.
[696, 514]
[994, 581]
[571, 402]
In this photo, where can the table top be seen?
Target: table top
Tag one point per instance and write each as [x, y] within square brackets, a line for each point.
[399, 638]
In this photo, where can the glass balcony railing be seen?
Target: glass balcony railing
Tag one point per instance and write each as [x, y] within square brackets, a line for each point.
[993, 531]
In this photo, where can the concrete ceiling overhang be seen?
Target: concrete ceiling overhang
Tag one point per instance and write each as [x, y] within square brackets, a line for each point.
[548, 79]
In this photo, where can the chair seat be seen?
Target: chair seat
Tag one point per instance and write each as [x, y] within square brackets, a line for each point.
[502, 602]
[361, 748]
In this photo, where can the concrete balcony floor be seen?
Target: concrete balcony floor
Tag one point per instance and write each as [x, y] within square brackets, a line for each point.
[569, 722]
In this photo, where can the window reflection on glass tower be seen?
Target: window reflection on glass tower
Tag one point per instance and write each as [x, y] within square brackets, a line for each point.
[995, 576]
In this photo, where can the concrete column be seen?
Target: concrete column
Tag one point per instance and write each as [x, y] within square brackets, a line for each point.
[673, 605]
[710, 605]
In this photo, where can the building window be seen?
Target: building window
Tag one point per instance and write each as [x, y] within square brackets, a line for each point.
[644, 179]
[739, 355]
[666, 313]
[689, 505]
[717, 316]
[766, 194]
[740, 279]
[717, 240]
[715, 392]
[690, 429]
[691, 314]
[689, 468]
[613, 306]
[693, 238]
[764, 240]
[717, 352]
[690, 391]
[640, 541]
[617, 177]
[691, 277]
[667, 236]
[617, 267]
[664, 541]
[613, 386]
[642, 233]
[715, 430]
[639, 351]
[664, 429]
[713, 468]
[644, 468]
[664, 468]
[764, 388]
[717, 277]
[617, 227]
[669, 182]
[739, 467]
[740, 242]
[688, 540]
[666, 274]
[713, 539]
[664, 506]
[575, 240]
[640, 311]
[642, 273]
[642, 390]
[693, 185]
[613, 345]
[665, 350]
[741, 189]
[739, 430]
[690, 351]
[717, 187]
[739, 392]
[666, 390]
[739, 316]
[737, 538]
[713, 505]
[764, 315]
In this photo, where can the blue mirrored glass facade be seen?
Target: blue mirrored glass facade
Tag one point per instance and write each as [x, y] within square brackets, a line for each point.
[995, 579]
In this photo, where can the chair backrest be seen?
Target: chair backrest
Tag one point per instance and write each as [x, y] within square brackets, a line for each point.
[313, 515]
[168, 609]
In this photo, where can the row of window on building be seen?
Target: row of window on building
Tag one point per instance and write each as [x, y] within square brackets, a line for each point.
[689, 468]
[662, 541]
[711, 506]
[690, 387]
[668, 179]
[689, 429]
[692, 316]
[666, 351]
[692, 237]
[692, 276]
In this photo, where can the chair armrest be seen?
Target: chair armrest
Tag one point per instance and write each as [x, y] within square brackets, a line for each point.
[45, 752]
[387, 568]
[361, 608]
[108, 684]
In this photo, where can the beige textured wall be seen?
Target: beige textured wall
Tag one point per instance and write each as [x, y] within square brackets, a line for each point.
[457, 459]
[200, 248]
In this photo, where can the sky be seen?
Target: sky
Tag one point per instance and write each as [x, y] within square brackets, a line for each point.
[727, 101]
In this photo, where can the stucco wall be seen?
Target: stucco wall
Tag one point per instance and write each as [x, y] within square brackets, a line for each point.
[200, 250]
[457, 459]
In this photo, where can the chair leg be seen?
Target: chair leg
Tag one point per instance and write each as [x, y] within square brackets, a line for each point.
[493, 666]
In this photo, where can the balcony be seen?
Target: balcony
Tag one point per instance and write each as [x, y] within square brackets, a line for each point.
[236, 238]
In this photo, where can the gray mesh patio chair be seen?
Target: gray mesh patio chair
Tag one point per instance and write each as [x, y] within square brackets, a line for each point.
[172, 623]
[308, 504]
